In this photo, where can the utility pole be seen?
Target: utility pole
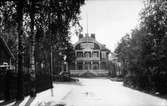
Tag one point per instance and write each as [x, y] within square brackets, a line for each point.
[87, 18]
[51, 46]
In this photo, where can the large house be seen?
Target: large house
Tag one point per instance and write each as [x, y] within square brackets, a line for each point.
[91, 57]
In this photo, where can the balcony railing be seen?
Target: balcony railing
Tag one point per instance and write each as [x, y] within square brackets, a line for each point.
[88, 58]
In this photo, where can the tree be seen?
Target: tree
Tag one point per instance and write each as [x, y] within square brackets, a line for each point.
[45, 23]
[20, 94]
[146, 54]
[122, 51]
[155, 22]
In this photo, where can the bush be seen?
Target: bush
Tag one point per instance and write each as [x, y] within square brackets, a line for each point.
[42, 83]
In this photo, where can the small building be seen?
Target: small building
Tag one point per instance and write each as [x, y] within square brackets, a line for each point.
[91, 57]
[115, 65]
[6, 56]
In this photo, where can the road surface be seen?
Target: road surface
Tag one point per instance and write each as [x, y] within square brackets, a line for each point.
[104, 92]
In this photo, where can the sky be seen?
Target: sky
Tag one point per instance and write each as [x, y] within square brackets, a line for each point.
[110, 20]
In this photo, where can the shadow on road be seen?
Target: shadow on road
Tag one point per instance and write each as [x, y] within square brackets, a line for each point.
[17, 103]
[6, 102]
[30, 100]
[28, 103]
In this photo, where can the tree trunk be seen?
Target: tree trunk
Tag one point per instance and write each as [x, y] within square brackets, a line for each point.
[20, 93]
[32, 52]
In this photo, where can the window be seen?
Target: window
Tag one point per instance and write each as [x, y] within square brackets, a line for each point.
[87, 54]
[79, 54]
[95, 66]
[80, 66]
[103, 54]
[87, 65]
[95, 54]
[103, 65]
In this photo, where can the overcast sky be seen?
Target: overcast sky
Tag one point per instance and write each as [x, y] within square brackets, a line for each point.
[110, 19]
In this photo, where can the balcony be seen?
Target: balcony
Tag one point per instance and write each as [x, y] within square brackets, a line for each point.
[88, 58]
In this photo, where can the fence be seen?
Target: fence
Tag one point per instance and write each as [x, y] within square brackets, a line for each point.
[8, 89]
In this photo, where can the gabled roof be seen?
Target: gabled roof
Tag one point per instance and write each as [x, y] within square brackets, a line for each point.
[89, 39]
[103, 47]
[6, 47]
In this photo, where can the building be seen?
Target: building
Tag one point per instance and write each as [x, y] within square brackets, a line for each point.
[115, 66]
[6, 56]
[91, 57]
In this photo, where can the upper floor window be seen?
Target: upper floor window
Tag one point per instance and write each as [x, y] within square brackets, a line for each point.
[95, 54]
[103, 55]
[79, 54]
[87, 54]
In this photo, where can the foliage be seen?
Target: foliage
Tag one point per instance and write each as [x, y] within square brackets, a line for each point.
[52, 21]
[144, 54]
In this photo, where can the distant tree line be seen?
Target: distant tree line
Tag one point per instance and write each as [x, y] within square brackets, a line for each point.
[143, 52]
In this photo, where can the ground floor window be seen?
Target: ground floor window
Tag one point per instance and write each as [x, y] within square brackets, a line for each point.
[95, 66]
[79, 66]
[103, 65]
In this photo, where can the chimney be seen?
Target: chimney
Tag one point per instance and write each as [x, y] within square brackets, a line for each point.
[93, 36]
[80, 36]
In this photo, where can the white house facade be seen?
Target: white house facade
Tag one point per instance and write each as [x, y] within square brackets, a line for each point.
[91, 57]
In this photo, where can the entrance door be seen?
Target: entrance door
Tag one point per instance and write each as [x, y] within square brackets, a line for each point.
[87, 65]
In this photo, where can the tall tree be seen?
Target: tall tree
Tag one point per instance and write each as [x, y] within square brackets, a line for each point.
[20, 93]
[45, 23]
[32, 50]
[147, 52]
